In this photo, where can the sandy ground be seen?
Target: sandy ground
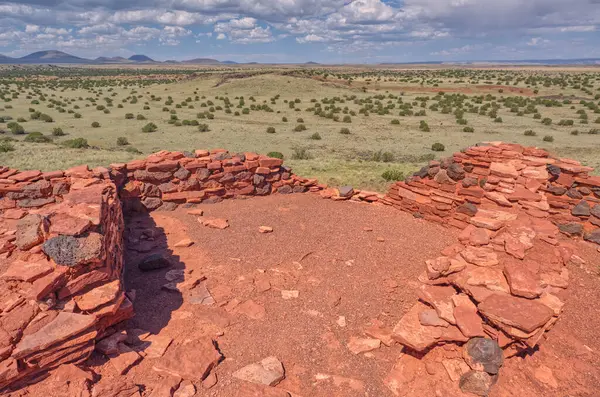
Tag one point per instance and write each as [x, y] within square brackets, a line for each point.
[331, 253]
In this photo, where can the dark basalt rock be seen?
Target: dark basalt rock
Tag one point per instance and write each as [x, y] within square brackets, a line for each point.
[456, 172]
[467, 208]
[574, 194]
[593, 237]
[73, 251]
[286, 189]
[595, 211]
[571, 229]
[153, 262]
[556, 190]
[423, 172]
[346, 191]
[554, 171]
[182, 174]
[482, 354]
[581, 209]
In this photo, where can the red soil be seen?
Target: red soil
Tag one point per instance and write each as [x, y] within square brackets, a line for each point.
[322, 249]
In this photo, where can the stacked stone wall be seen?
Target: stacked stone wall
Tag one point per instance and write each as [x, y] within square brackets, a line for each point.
[61, 262]
[508, 177]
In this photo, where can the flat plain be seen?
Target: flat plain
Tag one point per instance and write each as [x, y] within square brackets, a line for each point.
[356, 125]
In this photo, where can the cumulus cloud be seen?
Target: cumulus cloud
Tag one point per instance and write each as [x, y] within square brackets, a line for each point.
[336, 25]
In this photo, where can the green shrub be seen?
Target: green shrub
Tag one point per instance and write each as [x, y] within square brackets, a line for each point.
[530, 133]
[300, 127]
[76, 143]
[77, 115]
[270, 130]
[548, 138]
[22, 120]
[141, 117]
[395, 121]
[345, 131]
[122, 141]
[16, 128]
[37, 137]
[275, 155]
[6, 147]
[393, 175]
[438, 147]
[129, 116]
[468, 129]
[300, 120]
[301, 154]
[133, 150]
[316, 136]
[57, 131]
[284, 119]
[203, 128]
[423, 126]
[575, 132]
[347, 119]
[150, 127]
[498, 120]
[95, 124]
[547, 121]
[385, 157]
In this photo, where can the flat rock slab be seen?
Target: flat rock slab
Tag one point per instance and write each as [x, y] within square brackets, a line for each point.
[61, 328]
[363, 345]
[441, 299]
[215, 223]
[192, 361]
[25, 271]
[98, 296]
[524, 314]
[522, 281]
[410, 332]
[267, 372]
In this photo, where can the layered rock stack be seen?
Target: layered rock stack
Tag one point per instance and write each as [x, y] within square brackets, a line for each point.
[505, 279]
[61, 262]
[504, 176]
[166, 179]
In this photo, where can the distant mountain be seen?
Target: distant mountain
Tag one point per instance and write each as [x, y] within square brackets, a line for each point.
[112, 60]
[50, 57]
[229, 63]
[311, 63]
[140, 58]
[202, 61]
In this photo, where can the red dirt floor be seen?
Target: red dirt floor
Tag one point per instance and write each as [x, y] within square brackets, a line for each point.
[331, 254]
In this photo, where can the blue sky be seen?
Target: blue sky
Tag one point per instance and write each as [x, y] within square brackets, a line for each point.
[327, 31]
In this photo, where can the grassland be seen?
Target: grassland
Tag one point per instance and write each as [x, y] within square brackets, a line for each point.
[391, 117]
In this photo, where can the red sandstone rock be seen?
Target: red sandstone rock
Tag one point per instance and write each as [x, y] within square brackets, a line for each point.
[98, 296]
[441, 299]
[64, 326]
[523, 314]
[25, 271]
[215, 223]
[192, 361]
[522, 281]
[411, 333]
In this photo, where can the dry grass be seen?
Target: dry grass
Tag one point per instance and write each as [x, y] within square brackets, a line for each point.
[335, 159]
